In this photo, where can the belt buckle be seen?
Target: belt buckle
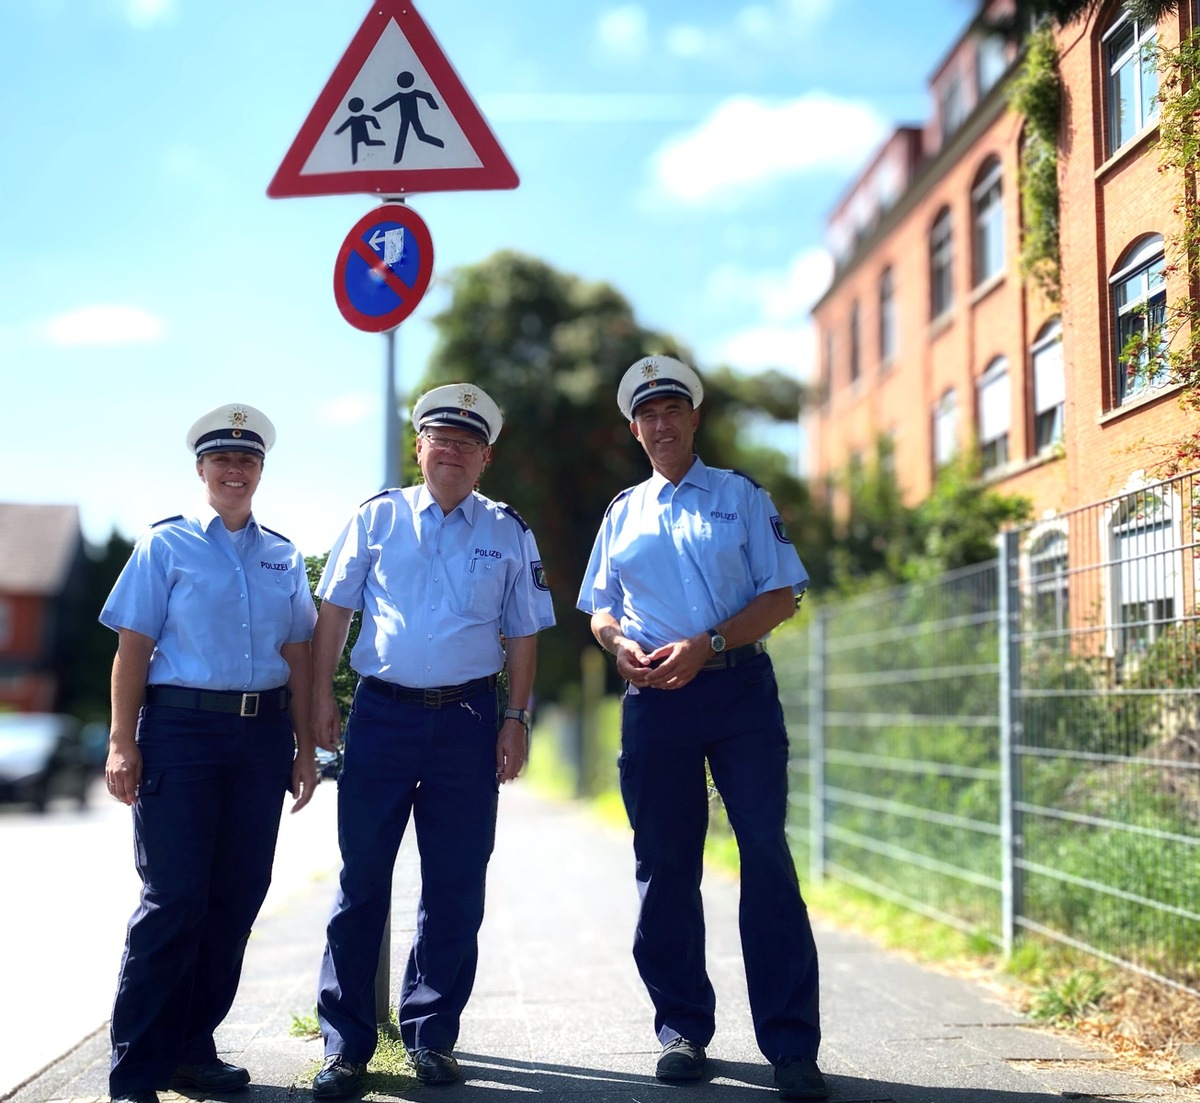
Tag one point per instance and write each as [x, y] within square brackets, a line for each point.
[249, 707]
[433, 698]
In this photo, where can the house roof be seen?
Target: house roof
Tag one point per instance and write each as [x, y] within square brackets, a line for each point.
[38, 544]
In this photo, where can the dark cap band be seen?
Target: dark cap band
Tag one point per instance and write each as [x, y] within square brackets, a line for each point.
[231, 440]
[659, 388]
[464, 419]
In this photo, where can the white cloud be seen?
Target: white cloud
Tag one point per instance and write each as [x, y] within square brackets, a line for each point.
[142, 14]
[748, 143]
[779, 27]
[756, 348]
[104, 325]
[624, 33]
[780, 296]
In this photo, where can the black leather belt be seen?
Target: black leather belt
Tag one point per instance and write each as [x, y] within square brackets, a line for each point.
[434, 697]
[216, 700]
[737, 656]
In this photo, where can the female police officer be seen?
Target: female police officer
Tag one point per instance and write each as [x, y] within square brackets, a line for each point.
[210, 699]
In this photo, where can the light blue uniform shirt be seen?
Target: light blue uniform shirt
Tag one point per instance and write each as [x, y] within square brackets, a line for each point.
[670, 562]
[436, 590]
[220, 607]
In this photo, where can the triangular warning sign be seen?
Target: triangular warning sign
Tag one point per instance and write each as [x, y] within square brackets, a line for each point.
[393, 119]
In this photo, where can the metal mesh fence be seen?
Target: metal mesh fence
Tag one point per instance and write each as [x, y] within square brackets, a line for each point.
[1016, 747]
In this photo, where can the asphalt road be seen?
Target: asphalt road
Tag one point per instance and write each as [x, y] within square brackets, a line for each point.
[69, 889]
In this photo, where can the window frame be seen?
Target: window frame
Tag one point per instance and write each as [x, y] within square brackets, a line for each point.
[1049, 420]
[987, 222]
[1144, 307]
[994, 448]
[887, 317]
[941, 264]
[1137, 62]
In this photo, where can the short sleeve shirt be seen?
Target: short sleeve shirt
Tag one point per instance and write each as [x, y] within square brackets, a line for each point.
[219, 610]
[436, 590]
[671, 562]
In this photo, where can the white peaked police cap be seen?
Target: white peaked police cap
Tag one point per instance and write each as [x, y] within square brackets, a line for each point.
[461, 406]
[233, 428]
[656, 377]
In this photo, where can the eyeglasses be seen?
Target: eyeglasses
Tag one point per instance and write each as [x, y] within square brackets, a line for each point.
[461, 446]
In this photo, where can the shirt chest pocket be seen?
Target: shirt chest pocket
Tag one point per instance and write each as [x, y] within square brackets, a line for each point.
[479, 595]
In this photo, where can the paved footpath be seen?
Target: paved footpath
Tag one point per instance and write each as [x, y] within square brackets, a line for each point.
[558, 1009]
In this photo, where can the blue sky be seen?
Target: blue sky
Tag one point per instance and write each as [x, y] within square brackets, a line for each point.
[686, 151]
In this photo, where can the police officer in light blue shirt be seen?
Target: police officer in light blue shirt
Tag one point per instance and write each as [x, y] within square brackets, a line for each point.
[451, 589]
[211, 689]
[689, 572]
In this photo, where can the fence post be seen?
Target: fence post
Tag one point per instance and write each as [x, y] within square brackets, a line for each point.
[1012, 902]
[816, 746]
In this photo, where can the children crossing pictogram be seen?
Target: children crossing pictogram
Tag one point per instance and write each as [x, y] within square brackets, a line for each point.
[396, 65]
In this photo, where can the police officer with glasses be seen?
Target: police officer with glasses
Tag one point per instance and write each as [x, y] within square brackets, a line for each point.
[690, 570]
[211, 689]
[451, 589]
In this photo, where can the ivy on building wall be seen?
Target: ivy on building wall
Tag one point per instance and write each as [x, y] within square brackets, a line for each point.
[1036, 93]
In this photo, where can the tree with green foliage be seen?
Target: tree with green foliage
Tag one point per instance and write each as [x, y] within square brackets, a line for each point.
[550, 348]
[884, 542]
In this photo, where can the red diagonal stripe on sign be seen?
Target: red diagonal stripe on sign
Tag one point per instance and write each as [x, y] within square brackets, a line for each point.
[383, 271]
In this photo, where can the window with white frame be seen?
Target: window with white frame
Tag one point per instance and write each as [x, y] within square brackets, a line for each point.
[991, 60]
[1146, 571]
[987, 208]
[855, 344]
[945, 430]
[1048, 586]
[953, 105]
[941, 264]
[995, 415]
[887, 318]
[1139, 300]
[1132, 77]
[1049, 387]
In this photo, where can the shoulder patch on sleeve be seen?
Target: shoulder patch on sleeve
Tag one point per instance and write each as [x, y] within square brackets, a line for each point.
[167, 520]
[623, 494]
[515, 516]
[753, 482]
[539, 575]
[274, 533]
[780, 532]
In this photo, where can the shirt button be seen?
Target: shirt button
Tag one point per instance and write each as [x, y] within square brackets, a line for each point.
[246, 656]
[245, 626]
[430, 636]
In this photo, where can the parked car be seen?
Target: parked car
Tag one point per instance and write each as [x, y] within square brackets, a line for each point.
[42, 756]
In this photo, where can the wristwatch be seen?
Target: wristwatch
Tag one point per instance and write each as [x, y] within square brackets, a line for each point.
[521, 715]
[716, 639]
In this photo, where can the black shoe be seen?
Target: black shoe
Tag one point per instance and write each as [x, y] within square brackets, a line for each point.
[680, 1060]
[799, 1078]
[146, 1096]
[434, 1066]
[338, 1078]
[211, 1076]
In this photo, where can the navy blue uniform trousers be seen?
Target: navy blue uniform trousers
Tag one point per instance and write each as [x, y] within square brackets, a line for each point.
[437, 765]
[733, 718]
[204, 828]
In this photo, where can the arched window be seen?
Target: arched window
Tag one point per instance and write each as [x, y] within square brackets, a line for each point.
[945, 430]
[1146, 574]
[1048, 585]
[887, 318]
[1049, 387]
[995, 414]
[1132, 84]
[1139, 303]
[941, 264]
[987, 210]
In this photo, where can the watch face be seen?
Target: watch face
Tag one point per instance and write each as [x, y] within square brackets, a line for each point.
[718, 642]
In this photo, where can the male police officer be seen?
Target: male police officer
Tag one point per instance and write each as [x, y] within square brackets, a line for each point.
[441, 573]
[689, 571]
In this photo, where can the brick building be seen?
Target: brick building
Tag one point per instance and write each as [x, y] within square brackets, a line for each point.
[930, 337]
[42, 569]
